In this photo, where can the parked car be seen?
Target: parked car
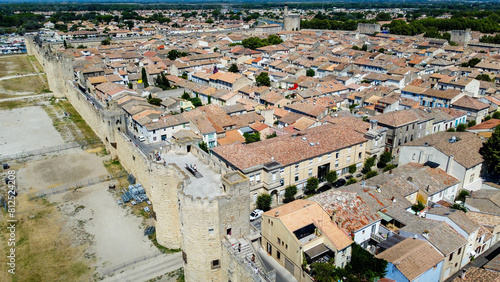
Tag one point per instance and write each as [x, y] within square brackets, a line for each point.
[324, 188]
[142, 138]
[256, 214]
[339, 182]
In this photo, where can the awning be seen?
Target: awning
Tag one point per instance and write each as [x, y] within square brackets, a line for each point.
[384, 216]
[316, 251]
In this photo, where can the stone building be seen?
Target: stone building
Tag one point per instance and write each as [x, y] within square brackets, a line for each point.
[291, 21]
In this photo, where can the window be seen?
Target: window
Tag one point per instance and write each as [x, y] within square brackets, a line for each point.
[228, 231]
[319, 159]
[471, 178]
[329, 155]
[345, 170]
[310, 172]
[451, 256]
[278, 255]
[361, 145]
[348, 159]
[211, 231]
[279, 241]
[310, 161]
[274, 176]
[359, 155]
[251, 178]
[349, 149]
[269, 249]
[337, 163]
[215, 264]
[459, 250]
[296, 166]
[296, 177]
[257, 178]
[414, 157]
[282, 170]
[337, 155]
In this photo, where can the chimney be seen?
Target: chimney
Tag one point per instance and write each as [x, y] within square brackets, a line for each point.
[276, 213]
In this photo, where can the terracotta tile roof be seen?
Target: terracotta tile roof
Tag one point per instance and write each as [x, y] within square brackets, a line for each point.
[474, 274]
[351, 211]
[489, 124]
[412, 257]
[232, 136]
[301, 213]
[289, 149]
[440, 140]
[397, 118]
[303, 123]
[470, 103]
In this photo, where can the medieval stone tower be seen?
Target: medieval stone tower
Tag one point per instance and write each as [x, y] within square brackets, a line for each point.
[206, 221]
[461, 37]
[291, 21]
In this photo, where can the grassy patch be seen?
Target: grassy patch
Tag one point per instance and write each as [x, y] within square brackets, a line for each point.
[35, 63]
[36, 84]
[43, 249]
[17, 64]
[77, 119]
[162, 249]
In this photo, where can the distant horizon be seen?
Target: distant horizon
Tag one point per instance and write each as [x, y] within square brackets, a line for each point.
[227, 2]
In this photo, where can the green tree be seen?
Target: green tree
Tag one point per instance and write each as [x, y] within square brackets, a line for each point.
[389, 167]
[203, 146]
[459, 207]
[130, 85]
[371, 174]
[471, 123]
[364, 265]
[196, 102]
[185, 96]
[106, 41]
[484, 77]
[381, 50]
[418, 207]
[209, 21]
[65, 44]
[369, 162]
[263, 79]
[233, 68]
[496, 115]
[462, 195]
[352, 168]
[155, 101]
[486, 118]
[383, 17]
[144, 77]
[461, 127]
[364, 48]
[272, 135]
[311, 185]
[354, 47]
[310, 73]
[331, 176]
[451, 129]
[385, 158]
[290, 192]
[351, 181]
[174, 54]
[264, 202]
[491, 152]
[251, 137]
[471, 63]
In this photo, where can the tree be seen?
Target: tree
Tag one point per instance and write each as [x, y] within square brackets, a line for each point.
[471, 63]
[155, 101]
[371, 174]
[486, 118]
[106, 41]
[389, 167]
[162, 82]
[251, 137]
[491, 152]
[364, 265]
[352, 168]
[130, 85]
[185, 96]
[203, 146]
[418, 207]
[381, 50]
[144, 78]
[459, 207]
[233, 68]
[383, 17]
[385, 158]
[351, 181]
[496, 115]
[263, 79]
[264, 202]
[311, 185]
[369, 162]
[462, 195]
[174, 54]
[451, 129]
[272, 135]
[310, 73]
[461, 127]
[364, 48]
[354, 47]
[290, 192]
[65, 44]
[484, 77]
[471, 123]
[331, 176]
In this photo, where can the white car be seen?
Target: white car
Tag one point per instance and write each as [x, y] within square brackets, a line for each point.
[256, 214]
[142, 138]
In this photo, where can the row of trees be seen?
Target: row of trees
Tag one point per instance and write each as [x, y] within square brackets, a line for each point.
[255, 42]
[432, 26]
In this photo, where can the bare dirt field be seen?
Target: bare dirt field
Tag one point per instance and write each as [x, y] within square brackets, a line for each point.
[16, 64]
[26, 129]
[24, 85]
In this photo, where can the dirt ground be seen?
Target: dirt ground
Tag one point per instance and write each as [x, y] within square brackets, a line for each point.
[26, 129]
[15, 64]
[114, 235]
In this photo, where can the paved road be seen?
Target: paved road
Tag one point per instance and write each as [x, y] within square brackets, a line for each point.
[27, 97]
[257, 223]
[97, 104]
[149, 269]
[480, 261]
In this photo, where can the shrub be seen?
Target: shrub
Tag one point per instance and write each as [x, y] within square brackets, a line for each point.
[352, 168]
[418, 207]
[351, 181]
[389, 167]
[371, 174]
[290, 192]
[264, 202]
[331, 176]
[312, 185]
